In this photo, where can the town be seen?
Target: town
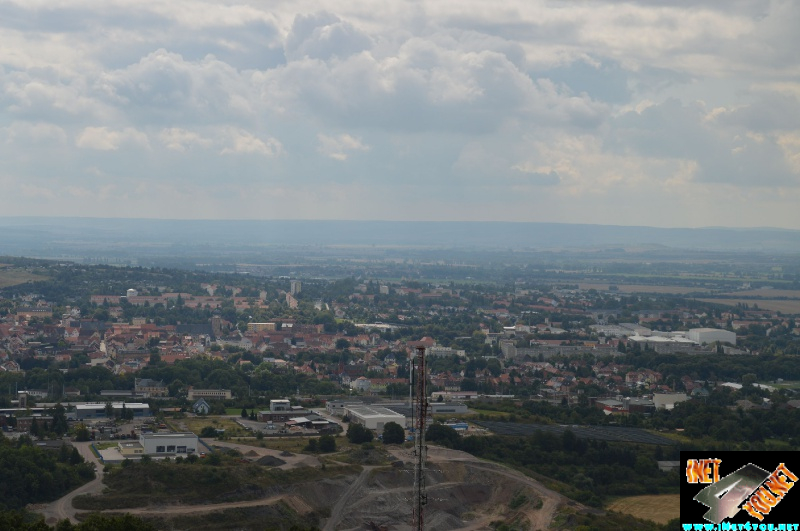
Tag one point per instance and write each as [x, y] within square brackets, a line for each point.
[160, 364]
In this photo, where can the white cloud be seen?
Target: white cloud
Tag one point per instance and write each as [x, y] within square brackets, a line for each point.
[242, 142]
[106, 139]
[337, 147]
[35, 132]
[178, 139]
[569, 107]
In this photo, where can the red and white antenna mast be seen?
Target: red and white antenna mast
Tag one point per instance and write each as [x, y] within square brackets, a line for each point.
[421, 416]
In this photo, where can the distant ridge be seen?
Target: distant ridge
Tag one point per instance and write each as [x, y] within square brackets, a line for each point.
[52, 236]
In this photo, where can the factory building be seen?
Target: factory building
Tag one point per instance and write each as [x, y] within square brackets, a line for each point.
[374, 417]
[711, 335]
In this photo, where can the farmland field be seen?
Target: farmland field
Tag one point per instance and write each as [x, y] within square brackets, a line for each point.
[660, 509]
[644, 288]
[13, 276]
[784, 306]
[767, 293]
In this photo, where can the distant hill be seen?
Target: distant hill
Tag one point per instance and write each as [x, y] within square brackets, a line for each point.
[42, 236]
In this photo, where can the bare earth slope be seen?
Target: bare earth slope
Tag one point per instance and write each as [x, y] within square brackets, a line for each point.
[463, 491]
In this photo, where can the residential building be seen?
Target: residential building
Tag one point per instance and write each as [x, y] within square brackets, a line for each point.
[213, 394]
[147, 387]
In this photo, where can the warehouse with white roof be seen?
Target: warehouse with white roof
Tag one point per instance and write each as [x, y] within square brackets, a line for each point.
[710, 335]
[374, 417]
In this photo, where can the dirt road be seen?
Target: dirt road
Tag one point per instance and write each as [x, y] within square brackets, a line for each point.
[62, 508]
[336, 512]
[208, 508]
[539, 518]
[292, 461]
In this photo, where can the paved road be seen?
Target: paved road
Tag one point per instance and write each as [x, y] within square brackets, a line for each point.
[62, 508]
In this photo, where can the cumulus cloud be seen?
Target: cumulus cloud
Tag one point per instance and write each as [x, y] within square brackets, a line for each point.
[178, 139]
[324, 35]
[338, 146]
[559, 106]
[242, 142]
[106, 139]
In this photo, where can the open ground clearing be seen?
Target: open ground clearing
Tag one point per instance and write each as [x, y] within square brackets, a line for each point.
[463, 493]
[10, 276]
[767, 293]
[643, 288]
[783, 306]
[660, 509]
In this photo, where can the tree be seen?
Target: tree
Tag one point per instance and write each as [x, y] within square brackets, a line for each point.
[102, 522]
[75, 457]
[357, 434]
[59, 426]
[81, 433]
[342, 344]
[244, 413]
[442, 434]
[393, 433]
[312, 446]
[327, 444]
[109, 409]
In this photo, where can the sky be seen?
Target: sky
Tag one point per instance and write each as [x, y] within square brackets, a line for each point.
[666, 113]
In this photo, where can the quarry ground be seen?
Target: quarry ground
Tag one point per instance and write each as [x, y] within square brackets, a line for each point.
[463, 493]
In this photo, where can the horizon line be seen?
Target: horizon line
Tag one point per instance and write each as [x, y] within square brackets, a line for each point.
[323, 220]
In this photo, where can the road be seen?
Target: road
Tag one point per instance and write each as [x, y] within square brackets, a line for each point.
[292, 461]
[62, 508]
[336, 512]
[539, 518]
[211, 507]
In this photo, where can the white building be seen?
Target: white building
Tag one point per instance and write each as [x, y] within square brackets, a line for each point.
[295, 287]
[668, 400]
[280, 404]
[97, 410]
[338, 407]
[360, 384]
[374, 417]
[213, 394]
[441, 352]
[169, 443]
[710, 335]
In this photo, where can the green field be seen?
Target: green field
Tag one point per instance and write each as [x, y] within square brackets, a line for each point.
[660, 509]
[12, 276]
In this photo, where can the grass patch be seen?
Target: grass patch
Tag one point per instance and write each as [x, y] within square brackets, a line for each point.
[10, 276]
[660, 508]
[569, 518]
[674, 435]
[278, 516]
[794, 384]
[196, 425]
[160, 483]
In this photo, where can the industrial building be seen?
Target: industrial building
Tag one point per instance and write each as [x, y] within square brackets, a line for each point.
[338, 407]
[668, 400]
[169, 443]
[711, 335]
[374, 417]
[97, 410]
